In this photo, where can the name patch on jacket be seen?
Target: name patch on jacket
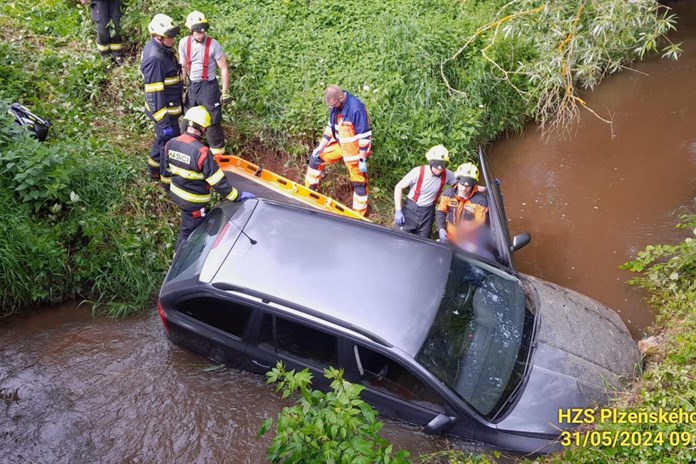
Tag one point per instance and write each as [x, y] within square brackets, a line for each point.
[177, 155]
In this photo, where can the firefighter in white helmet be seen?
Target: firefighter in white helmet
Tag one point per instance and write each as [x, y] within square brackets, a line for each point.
[200, 57]
[426, 183]
[163, 88]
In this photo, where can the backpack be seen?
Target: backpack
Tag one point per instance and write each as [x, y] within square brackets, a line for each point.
[25, 118]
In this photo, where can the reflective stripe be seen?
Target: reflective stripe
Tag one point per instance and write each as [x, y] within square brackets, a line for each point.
[160, 114]
[172, 80]
[174, 110]
[192, 197]
[215, 178]
[218, 151]
[233, 194]
[355, 137]
[185, 173]
[154, 87]
[166, 179]
[102, 48]
[152, 162]
[351, 158]
[115, 46]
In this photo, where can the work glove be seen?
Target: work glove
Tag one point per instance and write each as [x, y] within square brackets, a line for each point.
[244, 196]
[225, 98]
[362, 166]
[442, 234]
[399, 218]
[168, 132]
[316, 152]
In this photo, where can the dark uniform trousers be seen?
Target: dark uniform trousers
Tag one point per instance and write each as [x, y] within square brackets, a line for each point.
[207, 93]
[419, 219]
[190, 220]
[104, 11]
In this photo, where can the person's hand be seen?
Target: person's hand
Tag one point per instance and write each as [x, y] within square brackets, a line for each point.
[244, 196]
[442, 234]
[84, 1]
[362, 166]
[168, 132]
[225, 98]
[316, 152]
[399, 218]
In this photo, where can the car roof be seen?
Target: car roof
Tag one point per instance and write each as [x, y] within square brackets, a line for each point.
[385, 282]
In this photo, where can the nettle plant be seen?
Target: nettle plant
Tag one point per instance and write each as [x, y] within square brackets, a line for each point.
[330, 427]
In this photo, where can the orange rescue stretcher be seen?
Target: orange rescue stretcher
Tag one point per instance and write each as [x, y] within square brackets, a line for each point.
[283, 186]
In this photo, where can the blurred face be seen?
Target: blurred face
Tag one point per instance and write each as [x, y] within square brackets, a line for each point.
[464, 190]
[167, 41]
[199, 36]
[437, 168]
[337, 103]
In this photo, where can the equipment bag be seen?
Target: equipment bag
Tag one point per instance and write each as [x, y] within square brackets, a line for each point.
[25, 118]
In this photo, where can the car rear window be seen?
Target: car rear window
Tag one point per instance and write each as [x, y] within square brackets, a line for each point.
[191, 256]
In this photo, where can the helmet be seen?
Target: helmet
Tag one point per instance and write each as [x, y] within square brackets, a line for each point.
[163, 25]
[438, 153]
[199, 116]
[196, 21]
[467, 174]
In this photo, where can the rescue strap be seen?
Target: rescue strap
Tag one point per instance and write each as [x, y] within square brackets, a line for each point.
[419, 184]
[206, 57]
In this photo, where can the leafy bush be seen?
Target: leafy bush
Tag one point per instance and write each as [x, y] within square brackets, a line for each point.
[333, 427]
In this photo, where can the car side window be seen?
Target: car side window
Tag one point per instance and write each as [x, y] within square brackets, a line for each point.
[303, 343]
[230, 317]
[377, 372]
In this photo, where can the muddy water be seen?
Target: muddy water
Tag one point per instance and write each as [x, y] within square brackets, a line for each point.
[593, 200]
[78, 390]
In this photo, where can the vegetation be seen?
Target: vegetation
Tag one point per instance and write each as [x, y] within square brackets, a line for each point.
[80, 221]
[334, 427]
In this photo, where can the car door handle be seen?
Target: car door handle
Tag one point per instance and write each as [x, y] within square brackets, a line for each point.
[260, 365]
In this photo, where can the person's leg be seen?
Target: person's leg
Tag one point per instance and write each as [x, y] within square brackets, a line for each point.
[190, 220]
[116, 42]
[359, 181]
[100, 15]
[332, 154]
[426, 217]
[210, 98]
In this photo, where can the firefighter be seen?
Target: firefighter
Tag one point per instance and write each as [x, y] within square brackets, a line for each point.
[425, 184]
[462, 212]
[103, 12]
[163, 88]
[200, 56]
[348, 137]
[193, 170]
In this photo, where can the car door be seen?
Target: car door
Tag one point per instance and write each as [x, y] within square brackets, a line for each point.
[500, 234]
[295, 342]
[394, 388]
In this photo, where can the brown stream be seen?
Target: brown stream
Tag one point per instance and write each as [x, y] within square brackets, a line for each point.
[79, 390]
[593, 200]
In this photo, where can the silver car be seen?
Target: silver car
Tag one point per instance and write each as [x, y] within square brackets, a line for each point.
[457, 343]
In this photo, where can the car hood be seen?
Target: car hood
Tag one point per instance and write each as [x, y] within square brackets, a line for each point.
[582, 352]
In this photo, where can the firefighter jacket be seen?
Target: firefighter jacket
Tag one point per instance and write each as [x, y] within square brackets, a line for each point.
[350, 127]
[193, 171]
[453, 210]
[163, 84]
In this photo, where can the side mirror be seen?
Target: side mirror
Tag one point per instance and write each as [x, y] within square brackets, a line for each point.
[519, 241]
[439, 424]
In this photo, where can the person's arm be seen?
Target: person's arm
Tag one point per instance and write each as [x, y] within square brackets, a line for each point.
[153, 73]
[363, 133]
[225, 74]
[441, 213]
[183, 60]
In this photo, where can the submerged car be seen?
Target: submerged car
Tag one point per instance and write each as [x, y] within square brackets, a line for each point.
[457, 343]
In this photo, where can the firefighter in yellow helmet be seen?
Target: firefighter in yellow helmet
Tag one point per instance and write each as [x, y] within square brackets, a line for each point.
[426, 184]
[462, 211]
[200, 57]
[163, 88]
[193, 170]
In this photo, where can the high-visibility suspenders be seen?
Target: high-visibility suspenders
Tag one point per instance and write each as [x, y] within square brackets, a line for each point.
[419, 184]
[206, 57]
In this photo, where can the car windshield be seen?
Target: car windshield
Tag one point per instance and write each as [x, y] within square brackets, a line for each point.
[480, 337]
